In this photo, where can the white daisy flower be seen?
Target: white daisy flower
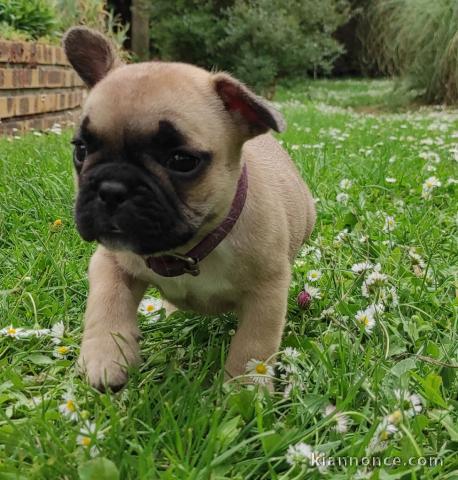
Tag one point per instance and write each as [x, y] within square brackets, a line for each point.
[261, 371]
[345, 184]
[68, 408]
[150, 307]
[390, 180]
[14, 332]
[429, 185]
[327, 312]
[390, 224]
[61, 351]
[309, 251]
[451, 181]
[314, 292]
[416, 258]
[374, 279]
[87, 438]
[57, 332]
[342, 197]
[313, 275]
[291, 353]
[287, 391]
[342, 421]
[299, 454]
[361, 267]
[412, 403]
[341, 237]
[379, 441]
[366, 318]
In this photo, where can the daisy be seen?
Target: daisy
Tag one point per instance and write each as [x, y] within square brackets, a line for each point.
[87, 437]
[342, 197]
[390, 180]
[416, 258]
[61, 351]
[57, 332]
[299, 454]
[375, 279]
[291, 353]
[12, 332]
[383, 432]
[429, 185]
[361, 267]
[345, 184]
[341, 420]
[366, 319]
[287, 391]
[150, 307]
[314, 292]
[328, 312]
[412, 403]
[313, 251]
[341, 236]
[313, 275]
[390, 224]
[68, 408]
[261, 371]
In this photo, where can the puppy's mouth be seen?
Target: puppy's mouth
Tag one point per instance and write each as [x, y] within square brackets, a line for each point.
[123, 210]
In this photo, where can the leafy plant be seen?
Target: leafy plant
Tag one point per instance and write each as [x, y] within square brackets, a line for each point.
[417, 40]
[261, 41]
[34, 17]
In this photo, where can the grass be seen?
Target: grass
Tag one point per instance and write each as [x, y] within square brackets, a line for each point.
[176, 419]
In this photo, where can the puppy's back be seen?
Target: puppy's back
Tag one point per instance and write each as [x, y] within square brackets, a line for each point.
[273, 171]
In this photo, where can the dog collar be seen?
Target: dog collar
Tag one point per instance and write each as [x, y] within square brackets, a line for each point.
[175, 264]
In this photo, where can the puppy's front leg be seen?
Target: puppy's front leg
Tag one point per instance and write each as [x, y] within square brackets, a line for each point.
[261, 321]
[110, 339]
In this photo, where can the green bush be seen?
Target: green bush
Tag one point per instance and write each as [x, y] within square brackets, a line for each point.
[36, 18]
[260, 41]
[417, 40]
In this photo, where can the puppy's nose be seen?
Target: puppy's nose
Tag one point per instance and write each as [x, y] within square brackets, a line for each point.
[112, 193]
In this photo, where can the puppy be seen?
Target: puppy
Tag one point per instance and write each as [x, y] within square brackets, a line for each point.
[183, 187]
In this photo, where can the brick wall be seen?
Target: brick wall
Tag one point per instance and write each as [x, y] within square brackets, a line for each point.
[38, 88]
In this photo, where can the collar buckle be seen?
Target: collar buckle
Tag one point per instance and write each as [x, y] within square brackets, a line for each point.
[192, 264]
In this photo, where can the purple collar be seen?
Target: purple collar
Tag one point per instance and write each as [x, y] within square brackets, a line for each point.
[174, 264]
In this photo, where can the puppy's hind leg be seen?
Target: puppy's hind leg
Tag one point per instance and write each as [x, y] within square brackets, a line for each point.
[110, 339]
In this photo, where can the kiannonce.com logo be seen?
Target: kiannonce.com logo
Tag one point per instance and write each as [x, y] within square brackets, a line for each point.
[322, 461]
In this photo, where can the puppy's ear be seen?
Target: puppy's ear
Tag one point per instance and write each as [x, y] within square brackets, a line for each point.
[90, 53]
[253, 114]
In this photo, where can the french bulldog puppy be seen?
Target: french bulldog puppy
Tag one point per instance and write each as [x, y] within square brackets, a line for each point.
[184, 188]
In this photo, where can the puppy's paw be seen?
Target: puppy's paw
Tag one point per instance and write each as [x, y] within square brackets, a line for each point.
[105, 360]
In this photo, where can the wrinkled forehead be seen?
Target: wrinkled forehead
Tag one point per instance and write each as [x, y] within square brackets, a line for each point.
[135, 102]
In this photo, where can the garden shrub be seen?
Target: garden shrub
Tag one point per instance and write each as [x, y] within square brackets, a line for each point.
[417, 40]
[260, 41]
[48, 19]
[35, 18]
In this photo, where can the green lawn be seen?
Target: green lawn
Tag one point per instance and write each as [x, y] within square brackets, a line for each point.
[391, 375]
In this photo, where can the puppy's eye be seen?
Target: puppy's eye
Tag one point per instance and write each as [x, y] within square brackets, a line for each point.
[79, 154]
[182, 162]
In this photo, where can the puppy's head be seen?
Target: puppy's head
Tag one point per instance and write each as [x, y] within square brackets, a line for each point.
[157, 152]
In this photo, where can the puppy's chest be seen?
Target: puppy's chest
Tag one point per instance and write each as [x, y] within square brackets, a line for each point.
[213, 291]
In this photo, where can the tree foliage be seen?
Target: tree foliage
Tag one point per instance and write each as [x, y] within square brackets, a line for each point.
[259, 41]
